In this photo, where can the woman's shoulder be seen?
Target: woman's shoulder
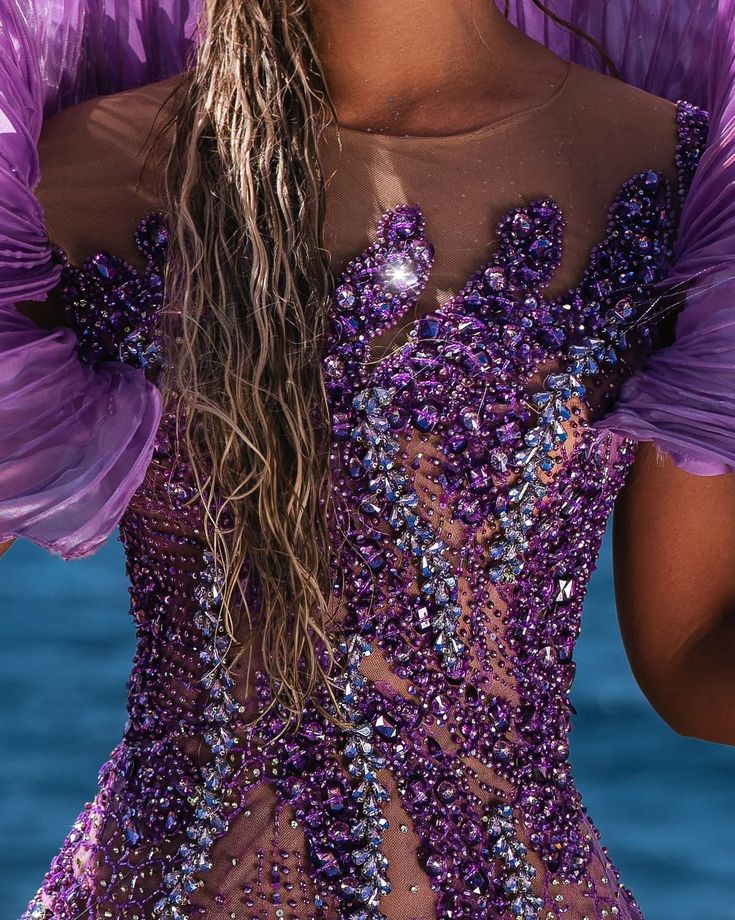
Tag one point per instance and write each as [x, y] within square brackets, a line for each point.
[101, 169]
[622, 127]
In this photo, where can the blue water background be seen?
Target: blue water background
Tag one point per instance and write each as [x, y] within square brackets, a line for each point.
[665, 804]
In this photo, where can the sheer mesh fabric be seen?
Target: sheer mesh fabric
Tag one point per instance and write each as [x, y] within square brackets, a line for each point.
[578, 146]
[99, 170]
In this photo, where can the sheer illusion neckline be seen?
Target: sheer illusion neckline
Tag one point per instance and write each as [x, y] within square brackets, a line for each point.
[382, 345]
[380, 353]
[360, 135]
[152, 237]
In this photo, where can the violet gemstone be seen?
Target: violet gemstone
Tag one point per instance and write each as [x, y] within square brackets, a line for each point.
[446, 792]
[463, 524]
[422, 250]
[476, 879]
[437, 866]
[426, 417]
[418, 794]
[404, 225]
[495, 278]
[521, 224]
[400, 272]
[326, 861]
[540, 246]
[345, 296]
[382, 311]
[107, 266]
[429, 327]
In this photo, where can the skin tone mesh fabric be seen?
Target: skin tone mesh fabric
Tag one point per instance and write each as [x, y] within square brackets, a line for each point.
[450, 198]
[99, 175]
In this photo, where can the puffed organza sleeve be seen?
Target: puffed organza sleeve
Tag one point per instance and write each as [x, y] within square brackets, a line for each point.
[87, 48]
[683, 398]
[75, 439]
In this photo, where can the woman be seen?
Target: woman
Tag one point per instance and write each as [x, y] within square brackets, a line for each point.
[362, 475]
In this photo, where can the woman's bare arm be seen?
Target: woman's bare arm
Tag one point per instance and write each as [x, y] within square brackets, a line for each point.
[674, 559]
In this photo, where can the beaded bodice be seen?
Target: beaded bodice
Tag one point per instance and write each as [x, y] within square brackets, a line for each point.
[471, 497]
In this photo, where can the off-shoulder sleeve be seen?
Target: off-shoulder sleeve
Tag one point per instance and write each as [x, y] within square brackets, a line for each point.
[75, 439]
[683, 398]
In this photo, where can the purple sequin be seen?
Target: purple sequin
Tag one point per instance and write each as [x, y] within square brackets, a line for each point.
[471, 498]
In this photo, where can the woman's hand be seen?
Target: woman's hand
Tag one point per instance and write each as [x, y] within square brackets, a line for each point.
[674, 560]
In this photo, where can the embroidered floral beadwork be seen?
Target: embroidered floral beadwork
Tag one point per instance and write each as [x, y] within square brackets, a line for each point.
[208, 822]
[123, 324]
[471, 499]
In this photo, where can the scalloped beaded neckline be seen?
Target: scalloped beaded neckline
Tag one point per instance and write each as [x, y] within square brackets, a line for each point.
[392, 272]
[530, 239]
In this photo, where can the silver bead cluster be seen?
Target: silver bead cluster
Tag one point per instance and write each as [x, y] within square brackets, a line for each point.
[530, 463]
[440, 611]
[365, 761]
[511, 852]
[210, 822]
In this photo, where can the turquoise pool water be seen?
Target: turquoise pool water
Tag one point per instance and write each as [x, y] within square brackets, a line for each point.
[665, 804]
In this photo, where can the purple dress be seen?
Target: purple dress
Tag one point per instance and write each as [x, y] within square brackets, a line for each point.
[473, 523]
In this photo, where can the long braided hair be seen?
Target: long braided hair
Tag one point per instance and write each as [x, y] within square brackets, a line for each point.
[248, 291]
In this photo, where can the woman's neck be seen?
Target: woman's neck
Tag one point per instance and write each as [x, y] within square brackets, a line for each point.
[410, 66]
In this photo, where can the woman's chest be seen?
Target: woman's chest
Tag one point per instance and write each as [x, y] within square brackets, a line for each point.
[499, 369]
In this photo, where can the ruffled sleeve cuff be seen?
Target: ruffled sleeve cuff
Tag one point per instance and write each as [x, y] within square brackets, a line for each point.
[75, 439]
[683, 398]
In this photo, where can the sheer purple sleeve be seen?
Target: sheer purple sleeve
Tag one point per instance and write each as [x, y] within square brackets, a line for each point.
[657, 45]
[75, 440]
[85, 48]
[683, 399]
